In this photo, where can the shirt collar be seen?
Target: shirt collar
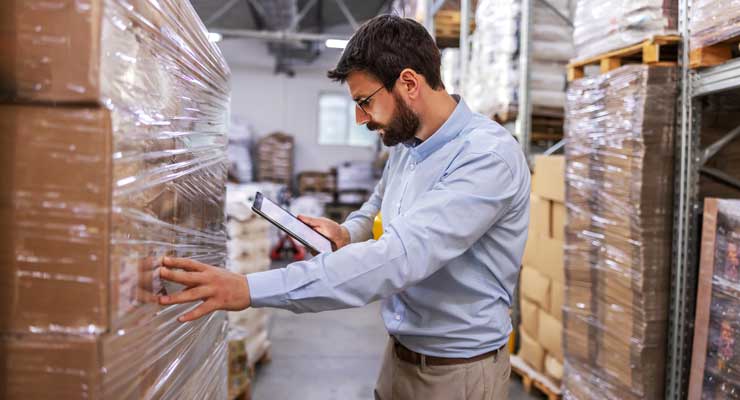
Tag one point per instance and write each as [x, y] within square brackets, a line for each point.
[448, 131]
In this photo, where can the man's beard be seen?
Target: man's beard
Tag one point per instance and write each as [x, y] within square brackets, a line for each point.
[403, 126]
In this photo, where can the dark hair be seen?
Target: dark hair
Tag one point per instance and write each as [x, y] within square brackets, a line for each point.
[386, 45]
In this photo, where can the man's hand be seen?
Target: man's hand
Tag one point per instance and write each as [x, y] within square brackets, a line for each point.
[218, 288]
[335, 232]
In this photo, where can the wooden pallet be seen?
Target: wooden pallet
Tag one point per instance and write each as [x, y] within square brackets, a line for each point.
[533, 379]
[658, 50]
[715, 54]
[447, 28]
[243, 393]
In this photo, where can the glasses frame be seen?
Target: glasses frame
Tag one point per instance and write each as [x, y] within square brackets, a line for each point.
[363, 102]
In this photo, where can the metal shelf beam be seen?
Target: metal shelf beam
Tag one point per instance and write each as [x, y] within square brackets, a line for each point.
[716, 79]
[523, 128]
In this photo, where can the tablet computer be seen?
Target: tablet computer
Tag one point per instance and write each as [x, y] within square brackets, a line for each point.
[291, 225]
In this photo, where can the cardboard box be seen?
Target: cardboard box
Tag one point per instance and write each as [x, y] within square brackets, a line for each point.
[579, 340]
[535, 287]
[86, 229]
[529, 316]
[549, 177]
[531, 352]
[530, 249]
[557, 300]
[138, 364]
[559, 213]
[553, 368]
[539, 216]
[78, 54]
[716, 347]
[550, 334]
[549, 258]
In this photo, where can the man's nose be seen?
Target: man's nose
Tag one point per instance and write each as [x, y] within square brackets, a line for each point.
[361, 117]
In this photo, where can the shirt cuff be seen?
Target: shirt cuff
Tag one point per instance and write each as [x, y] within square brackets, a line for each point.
[267, 289]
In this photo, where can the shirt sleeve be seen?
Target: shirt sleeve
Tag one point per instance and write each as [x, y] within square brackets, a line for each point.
[442, 224]
[359, 223]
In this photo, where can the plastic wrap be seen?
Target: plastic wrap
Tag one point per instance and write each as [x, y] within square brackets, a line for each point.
[115, 159]
[713, 21]
[492, 78]
[619, 168]
[715, 372]
[601, 26]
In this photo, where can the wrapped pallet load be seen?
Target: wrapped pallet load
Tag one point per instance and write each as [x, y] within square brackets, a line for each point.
[713, 23]
[113, 152]
[492, 78]
[601, 26]
[619, 168]
[716, 355]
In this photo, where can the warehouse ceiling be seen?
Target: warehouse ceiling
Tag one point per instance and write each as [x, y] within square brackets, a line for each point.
[293, 30]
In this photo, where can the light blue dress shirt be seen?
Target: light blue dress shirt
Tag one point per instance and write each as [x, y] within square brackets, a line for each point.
[455, 215]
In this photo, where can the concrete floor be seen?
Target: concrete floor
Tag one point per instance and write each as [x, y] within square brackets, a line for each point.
[334, 355]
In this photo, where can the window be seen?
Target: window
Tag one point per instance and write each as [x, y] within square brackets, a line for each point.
[337, 122]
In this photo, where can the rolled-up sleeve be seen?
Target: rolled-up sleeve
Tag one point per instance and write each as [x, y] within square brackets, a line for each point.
[441, 225]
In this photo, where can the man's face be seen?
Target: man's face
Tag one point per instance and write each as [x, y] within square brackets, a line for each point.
[385, 112]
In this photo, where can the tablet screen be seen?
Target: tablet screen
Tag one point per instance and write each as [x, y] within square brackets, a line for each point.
[291, 225]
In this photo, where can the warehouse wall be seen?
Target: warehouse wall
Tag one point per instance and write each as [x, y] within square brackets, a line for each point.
[272, 102]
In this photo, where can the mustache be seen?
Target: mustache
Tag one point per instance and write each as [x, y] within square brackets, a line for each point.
[373, 126]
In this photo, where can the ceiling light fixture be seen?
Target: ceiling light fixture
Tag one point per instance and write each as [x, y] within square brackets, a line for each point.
[336, 43]
[214, 37]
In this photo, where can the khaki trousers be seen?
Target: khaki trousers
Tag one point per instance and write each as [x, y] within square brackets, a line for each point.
[486, 379]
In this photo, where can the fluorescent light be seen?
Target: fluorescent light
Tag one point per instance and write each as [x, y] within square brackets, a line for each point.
[214, 37]
[336, 43]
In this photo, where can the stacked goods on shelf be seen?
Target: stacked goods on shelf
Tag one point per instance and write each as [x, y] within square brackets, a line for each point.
[450, 70]
[239, 151]
[101, 180]
[275, 158]
[542, 277]
[619, 168]
[714, 28]
[601, 26]
[239, 377]
[355, 181]
[493, 73]
[716, 355]
[316, 183]
[248, 251]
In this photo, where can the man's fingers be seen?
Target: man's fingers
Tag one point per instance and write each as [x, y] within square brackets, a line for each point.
[200, 311]
[183, 263]
[183, 277]
[309, 220]
[187, 296]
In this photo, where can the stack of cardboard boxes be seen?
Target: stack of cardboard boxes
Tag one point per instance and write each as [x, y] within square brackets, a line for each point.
[248, 250]
[275, 158]
[112, 146]
[715, 364]
[541, 282]
[619, 169]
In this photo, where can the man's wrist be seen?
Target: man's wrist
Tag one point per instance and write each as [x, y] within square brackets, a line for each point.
[345, 237]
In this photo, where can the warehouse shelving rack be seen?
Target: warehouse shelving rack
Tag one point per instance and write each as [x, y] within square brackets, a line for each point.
[689, 165]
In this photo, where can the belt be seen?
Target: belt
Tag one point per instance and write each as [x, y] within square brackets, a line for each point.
[410, 356]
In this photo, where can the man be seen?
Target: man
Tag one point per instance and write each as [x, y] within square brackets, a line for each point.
[455, 202]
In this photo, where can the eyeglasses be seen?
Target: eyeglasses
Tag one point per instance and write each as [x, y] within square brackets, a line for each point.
[364, 102]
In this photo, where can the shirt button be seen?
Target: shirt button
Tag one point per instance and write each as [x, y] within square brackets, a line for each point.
[398, 317]
[412, 166]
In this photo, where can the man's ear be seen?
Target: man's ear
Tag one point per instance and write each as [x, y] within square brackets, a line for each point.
[410, 83]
